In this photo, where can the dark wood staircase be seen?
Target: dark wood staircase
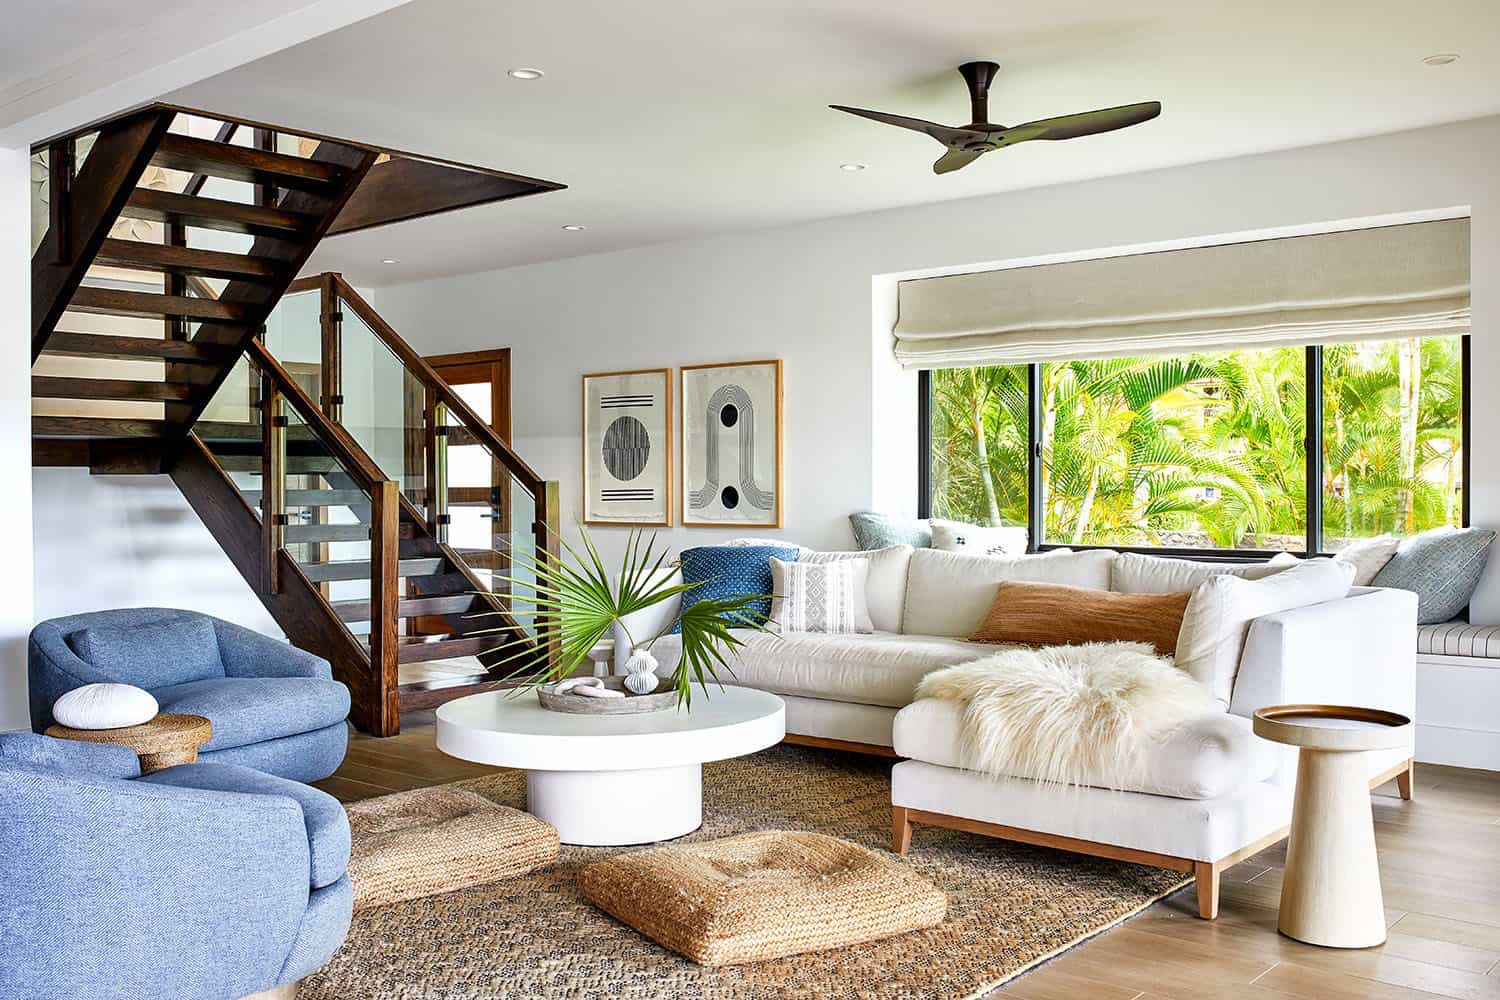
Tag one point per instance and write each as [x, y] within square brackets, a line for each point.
[165, 253]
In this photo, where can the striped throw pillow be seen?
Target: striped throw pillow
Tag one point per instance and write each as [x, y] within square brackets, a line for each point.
[820, 597]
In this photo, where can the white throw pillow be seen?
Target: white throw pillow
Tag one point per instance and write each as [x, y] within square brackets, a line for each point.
[1221, 609]
[802, 550]
[1368, 556]
[885, 588]
[1135, 573]
[820, 597]
[955, 536]
[947, 593]
[104, 706]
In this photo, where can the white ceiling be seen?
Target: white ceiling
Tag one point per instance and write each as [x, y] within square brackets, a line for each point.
[680, 118]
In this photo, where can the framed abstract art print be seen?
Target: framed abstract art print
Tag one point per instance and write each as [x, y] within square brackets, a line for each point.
[731, 445]
[627, 448]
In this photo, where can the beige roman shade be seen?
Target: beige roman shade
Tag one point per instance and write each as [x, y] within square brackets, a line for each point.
[1363, 284]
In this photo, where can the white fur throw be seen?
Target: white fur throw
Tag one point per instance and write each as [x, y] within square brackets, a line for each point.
[1069, 715]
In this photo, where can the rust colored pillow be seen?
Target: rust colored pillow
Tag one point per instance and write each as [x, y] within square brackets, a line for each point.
[1049, 614]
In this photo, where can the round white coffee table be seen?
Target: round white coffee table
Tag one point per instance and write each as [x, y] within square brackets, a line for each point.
[1330, 893]
[610, 780]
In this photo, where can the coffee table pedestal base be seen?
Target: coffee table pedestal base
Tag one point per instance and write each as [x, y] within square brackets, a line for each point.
[618, 808]
[1330, 894]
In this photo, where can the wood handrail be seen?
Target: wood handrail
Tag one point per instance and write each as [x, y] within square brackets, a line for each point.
[338, 441]
[434, 383]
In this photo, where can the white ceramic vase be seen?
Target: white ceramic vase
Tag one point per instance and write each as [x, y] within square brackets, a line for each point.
[640, 672]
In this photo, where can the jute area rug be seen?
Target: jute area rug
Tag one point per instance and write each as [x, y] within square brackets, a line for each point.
[1009, 907]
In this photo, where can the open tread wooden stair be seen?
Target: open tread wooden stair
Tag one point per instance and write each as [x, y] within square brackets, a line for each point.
[123, 302]
[215, 213]
[119, 348]
[56, 387]
[179, 260]
[243, 163]
[97, 259]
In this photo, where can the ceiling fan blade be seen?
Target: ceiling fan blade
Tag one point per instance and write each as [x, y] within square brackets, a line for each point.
[945, 134]
[1084, 123]
[955, 158]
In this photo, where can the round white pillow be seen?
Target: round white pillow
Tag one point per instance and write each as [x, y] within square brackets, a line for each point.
[105, 706]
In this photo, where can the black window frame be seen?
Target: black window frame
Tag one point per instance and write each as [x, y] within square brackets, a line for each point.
[1313, 375]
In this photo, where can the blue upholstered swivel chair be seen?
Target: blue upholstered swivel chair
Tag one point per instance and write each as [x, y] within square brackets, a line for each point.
[273, 707]
[200, 881]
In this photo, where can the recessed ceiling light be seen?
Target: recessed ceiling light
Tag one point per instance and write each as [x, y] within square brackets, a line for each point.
[575, 229]
[525, 73]
[390, 260]
[1441, 58]
[852, 167]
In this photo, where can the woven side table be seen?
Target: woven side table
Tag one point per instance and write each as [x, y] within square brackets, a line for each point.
[165, 741]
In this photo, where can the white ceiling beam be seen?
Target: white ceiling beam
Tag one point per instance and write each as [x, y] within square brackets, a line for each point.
[142, 69]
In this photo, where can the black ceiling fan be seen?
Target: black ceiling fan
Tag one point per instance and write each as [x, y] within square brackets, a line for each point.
[966, 143]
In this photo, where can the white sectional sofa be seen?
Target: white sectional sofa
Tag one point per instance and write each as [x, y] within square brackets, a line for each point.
[1214, 795]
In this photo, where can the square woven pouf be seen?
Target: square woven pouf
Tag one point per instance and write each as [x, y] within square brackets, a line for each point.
[434, 840]
[762, 895]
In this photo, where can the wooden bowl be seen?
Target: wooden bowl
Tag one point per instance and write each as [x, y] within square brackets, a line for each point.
[664, 697]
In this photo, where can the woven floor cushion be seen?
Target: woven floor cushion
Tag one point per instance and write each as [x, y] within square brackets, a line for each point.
[435, 840]
[762, 895]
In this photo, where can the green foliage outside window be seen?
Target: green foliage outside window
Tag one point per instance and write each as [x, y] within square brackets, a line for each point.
[1207, 450]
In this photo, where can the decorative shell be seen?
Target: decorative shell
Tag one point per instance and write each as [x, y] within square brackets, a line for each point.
[104, 706]
[590, 691]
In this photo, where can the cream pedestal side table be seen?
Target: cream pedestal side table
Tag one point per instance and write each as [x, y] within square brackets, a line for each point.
[1330, 894]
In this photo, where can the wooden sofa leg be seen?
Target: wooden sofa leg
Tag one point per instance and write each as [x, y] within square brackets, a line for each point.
[1206, 874]
[900, 830]
[1404, 780]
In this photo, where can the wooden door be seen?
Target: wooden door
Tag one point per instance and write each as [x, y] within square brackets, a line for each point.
[481, 379]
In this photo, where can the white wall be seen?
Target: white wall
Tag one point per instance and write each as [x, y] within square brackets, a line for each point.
[130, 541]
[821, 297]
[15, 429]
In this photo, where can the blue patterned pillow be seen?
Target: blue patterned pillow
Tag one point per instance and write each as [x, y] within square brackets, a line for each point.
[727, 570]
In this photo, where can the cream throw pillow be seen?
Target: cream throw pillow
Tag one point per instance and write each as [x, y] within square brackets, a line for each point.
[1135, 573]
[1220, 611]
[820, 597]
[885, 588]
[1368, 556]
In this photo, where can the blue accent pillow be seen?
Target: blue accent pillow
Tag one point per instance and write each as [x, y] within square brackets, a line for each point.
[152, 656]
[881, 531]
[726, 570]
[1442, 567]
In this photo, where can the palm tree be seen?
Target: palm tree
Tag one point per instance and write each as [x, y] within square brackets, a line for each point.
[1207, 445]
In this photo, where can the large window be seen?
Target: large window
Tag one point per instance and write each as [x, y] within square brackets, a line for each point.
[1205, 451]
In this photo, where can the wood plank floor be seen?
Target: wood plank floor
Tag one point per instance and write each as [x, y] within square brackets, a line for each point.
[1440, 869]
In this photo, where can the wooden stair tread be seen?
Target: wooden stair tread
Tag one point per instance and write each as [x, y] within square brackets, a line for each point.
[187, 260]
[315, 498]
[242, 163]
[249, 461]
[359, 569]
[326, 533]
[420, 648]
[215, 213]
[108, 345]
[124, 302]
[57, 387]
[409, 607]
[95, 428]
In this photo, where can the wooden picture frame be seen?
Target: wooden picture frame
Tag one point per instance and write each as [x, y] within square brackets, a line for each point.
[739, 406]
[627, 450]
